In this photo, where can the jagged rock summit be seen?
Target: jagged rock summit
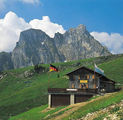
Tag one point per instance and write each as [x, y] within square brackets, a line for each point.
[35, 46]
[77, 43]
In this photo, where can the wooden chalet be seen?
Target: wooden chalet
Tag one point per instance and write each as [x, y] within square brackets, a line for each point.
[83, 84]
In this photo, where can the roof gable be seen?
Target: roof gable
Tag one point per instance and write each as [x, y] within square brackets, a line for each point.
[90, 70]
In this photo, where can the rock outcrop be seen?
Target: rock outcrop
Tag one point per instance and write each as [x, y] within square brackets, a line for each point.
[5, 61]
[34, 47]
[77, 43]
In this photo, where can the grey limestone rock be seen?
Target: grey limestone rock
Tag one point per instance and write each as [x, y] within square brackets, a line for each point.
[5, 61]
[77, 43]
[35, 47]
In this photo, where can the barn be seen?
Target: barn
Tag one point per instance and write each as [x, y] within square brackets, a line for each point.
[83, 84]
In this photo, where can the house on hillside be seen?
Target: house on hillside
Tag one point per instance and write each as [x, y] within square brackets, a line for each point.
[83, 84]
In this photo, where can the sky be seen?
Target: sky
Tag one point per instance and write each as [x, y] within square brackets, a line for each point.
[102, 18]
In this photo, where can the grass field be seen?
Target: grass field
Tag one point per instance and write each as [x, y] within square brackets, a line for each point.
[36, 113]
[82, 109]
[19, 94]
[96, 105]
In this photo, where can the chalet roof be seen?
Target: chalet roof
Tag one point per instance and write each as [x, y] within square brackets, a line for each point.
[90, 70]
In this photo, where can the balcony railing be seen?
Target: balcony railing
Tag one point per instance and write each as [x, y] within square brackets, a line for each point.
[67, 90]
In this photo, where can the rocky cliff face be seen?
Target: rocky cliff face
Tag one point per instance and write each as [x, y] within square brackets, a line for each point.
[35, 47]
[5, 61]
[77, 43]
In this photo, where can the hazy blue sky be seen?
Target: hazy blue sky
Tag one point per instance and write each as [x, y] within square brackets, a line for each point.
[97, 15]
[101, 17]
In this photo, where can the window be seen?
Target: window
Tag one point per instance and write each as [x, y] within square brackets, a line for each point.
[76, 77]
[84, 86]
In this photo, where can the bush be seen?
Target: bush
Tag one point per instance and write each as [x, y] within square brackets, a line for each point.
[39, 69]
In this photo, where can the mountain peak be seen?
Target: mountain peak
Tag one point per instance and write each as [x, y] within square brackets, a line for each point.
[79, 29]
[36, 46]
[81, 26]
[32, 30]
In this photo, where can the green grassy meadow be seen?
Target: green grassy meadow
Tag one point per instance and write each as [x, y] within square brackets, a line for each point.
[96, 105]
[37, 114]
[19, 94]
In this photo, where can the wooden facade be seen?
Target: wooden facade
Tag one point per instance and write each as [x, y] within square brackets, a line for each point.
[85, 78]
[83, 84]
[60, 100]
[81, 98]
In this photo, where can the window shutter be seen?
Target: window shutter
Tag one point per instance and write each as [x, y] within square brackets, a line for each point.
[93, 76]
[87, 76]
[73, 85]
[86, 85]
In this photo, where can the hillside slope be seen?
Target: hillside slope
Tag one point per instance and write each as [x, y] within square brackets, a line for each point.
[90, 110]
[19, 93]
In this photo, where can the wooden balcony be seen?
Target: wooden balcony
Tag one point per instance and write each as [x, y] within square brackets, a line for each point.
[69, 91]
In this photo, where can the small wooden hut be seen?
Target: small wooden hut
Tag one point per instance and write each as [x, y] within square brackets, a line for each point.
[83, 84]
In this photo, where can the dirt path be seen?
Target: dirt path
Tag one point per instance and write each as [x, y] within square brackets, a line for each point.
[75, 107]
